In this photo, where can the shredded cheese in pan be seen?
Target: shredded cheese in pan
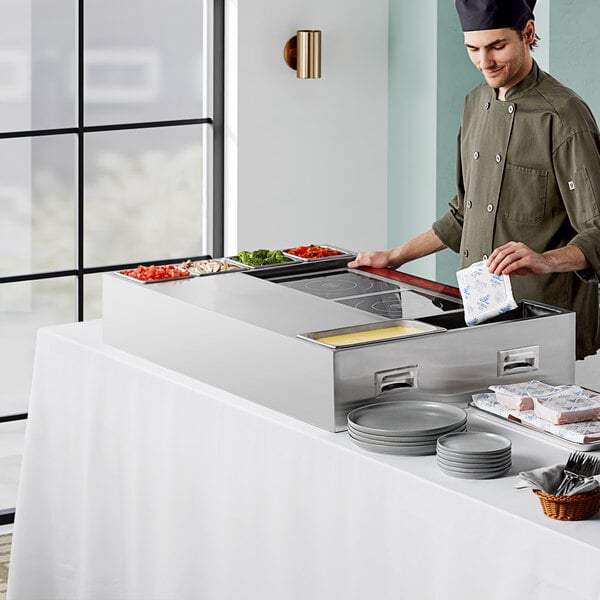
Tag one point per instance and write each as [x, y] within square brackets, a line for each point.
[373, 335]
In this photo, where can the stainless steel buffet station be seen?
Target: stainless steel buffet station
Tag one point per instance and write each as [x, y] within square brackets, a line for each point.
[315, 340]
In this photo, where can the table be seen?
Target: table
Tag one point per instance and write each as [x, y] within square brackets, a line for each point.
[140, 483]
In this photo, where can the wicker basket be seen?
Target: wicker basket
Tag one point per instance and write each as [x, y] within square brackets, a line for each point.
[570, 508]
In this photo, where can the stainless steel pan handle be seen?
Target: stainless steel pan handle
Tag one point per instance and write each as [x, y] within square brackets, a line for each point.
[518, 360]
[393, 380]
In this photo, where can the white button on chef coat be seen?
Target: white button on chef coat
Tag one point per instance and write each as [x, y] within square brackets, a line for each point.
[511, 109]
[486, 106]
[475, 155]
[469, 204]
[490, 207]
[484, 257]
[498, 158]
[466, 252]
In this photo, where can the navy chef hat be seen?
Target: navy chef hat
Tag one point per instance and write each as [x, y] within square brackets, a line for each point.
[477, 15]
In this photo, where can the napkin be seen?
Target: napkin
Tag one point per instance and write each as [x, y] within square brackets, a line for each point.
[484, 294]
[548, 479]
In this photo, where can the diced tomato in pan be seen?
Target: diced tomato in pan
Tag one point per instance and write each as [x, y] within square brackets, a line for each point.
[313, 251]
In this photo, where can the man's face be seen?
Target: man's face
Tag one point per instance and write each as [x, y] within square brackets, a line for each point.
[502, 55]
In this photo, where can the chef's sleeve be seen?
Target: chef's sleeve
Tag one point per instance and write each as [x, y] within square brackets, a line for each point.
[577, 166]
[449, 227]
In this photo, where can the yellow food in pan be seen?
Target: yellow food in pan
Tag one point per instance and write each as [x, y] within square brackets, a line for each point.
[373, 335]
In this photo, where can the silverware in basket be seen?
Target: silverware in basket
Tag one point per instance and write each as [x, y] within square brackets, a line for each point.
[579, 467]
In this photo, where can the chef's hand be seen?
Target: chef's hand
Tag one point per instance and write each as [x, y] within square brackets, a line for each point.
[515, 258]
[421, 245]
[378, 260]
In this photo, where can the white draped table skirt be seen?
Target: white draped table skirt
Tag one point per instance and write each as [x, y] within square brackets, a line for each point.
[138, 483]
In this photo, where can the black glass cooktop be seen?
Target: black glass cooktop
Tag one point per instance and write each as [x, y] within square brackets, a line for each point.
[339, 285]
[389, 299]
[404, 304]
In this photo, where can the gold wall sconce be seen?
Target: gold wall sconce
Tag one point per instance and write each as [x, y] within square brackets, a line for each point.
[303, 53]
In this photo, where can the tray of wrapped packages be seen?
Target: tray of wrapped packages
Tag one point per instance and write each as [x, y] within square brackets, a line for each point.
[568, 413]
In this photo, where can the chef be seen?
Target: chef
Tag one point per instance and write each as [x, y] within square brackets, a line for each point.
[528, 174]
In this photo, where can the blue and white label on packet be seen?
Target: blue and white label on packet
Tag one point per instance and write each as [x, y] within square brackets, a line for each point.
[484, 294]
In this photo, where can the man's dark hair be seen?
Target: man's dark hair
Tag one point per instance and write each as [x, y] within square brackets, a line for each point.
[536, 39]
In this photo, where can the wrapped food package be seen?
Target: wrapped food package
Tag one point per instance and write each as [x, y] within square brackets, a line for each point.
[519, 396]
[484, 294]
[568, 404]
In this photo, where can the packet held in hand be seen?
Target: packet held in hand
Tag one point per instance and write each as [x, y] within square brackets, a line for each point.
[484, 295]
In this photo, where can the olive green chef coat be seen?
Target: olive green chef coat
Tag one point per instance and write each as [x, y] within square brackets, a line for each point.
[528, 169]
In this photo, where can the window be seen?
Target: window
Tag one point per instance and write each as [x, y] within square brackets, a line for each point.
[110, 155]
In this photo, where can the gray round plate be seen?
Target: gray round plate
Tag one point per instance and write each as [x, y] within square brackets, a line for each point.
[395, 449]
[476, 456]
[398, 444]
[474, 442]
[413, 439]
[471, 469]
[407, 418]
[473, 463]
[472, 475]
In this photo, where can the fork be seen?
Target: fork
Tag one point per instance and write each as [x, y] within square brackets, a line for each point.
[578, 467]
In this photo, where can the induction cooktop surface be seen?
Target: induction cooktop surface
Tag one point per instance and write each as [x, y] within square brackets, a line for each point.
[403, 304]
[339, 285]
[387, 298]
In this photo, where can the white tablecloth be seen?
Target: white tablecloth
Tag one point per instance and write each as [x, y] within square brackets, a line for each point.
[139, 483]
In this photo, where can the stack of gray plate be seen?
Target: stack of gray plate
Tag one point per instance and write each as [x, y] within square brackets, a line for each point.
[474, 455]
[408, 427]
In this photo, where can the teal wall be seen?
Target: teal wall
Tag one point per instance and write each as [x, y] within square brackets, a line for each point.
[412, 124]
[429, 75]
[575, 47]
[456, 75]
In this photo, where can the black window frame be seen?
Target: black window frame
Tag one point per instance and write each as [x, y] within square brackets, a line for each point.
[217, 156]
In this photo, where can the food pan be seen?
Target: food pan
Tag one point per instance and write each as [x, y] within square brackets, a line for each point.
[234, 268]
[239, 263]
[145, 281]
[370, 333]
[342, 253]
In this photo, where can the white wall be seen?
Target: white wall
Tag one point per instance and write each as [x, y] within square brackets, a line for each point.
[307, 159]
